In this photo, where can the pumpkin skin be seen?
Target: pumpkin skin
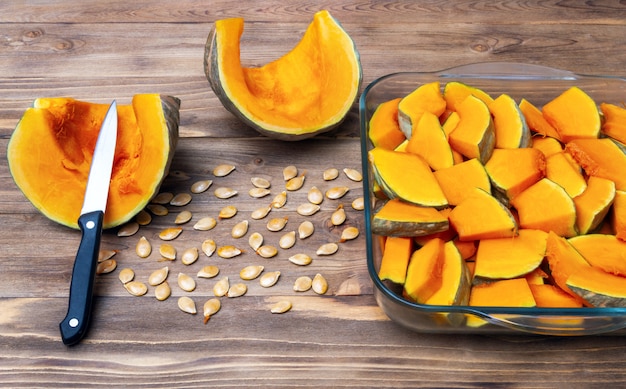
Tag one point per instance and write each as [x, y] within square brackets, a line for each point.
[51, 148]
[308, 91]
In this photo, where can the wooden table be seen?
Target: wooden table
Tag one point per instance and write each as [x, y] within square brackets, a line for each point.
[100, 50]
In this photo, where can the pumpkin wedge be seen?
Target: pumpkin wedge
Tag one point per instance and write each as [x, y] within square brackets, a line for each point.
[50, 153]
[564, 260]
[395, 261]
[594, 203]
[618, 215]
[455, 281]
[509, 123]
[458, 181]
[307, 91]
[426, 98]
[398, 218]
[550, 296]
[599, 288]
[429, 141]
[601, 158]
[536, 121]
[474, 136]
[562, 171]
[614, 124]
[546, 145]
[511, 171]
[384, 130]
[424, 274]
[503, 293]
[454, 92]
[602, 251]
[573, 114]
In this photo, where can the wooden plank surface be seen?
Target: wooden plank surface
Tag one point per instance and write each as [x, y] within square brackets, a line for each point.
[98, 50]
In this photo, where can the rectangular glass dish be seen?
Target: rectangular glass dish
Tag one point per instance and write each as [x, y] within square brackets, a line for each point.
[538, 85]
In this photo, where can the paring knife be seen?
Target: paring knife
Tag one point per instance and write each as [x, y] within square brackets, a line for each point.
[75, 324]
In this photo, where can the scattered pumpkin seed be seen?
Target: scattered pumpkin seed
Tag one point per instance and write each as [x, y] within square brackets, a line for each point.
[337, 192]
[162, 291]
[181, 199]
[330, 174]
[295, 183]
[281, 307]
[201, 186]
[239, 229]
[353, 174]
[327, 249]
[260, 213]
[158, 276]
[358, 204]
[189, 256]
[269, 279]
[227, 212]
[228, 251]
[208, 247]
[287, 240]
[260, 182]
[136, 288]
[183, 217]
[126, 275]
[170, 233]
[257, 193]
[221, 287]
[237, 290]
[157, 209]
[300, 259]
[208, 271]
[349, 233]
[290, 172]
[280, 200]
[187, 305]
[143, 218]
[255, 240]
[305, 229]
[277, 223]
[339, 216]
[167, 251]
[319, 284]
[267, 251]
[307, 209]
[315, 195]
[106, 266]
[103, 255]
[186, 283]
[205, 224]
[162, 198]
[251, 272]
[302, 284]
[223, 170]
[128, 229]
[225, 193]
[210, 308]
[143, 248]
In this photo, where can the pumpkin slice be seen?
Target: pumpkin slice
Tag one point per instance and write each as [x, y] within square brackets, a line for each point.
[482, 216]
[384, 130]
[430, 142]
[426, 98]
[561, 170]
[511, 171]
[457, 181]
[594, 203]
[509, 123]
[510, 257]
[503, 293]
[602, 251]
[599, 288]
[618, 215]
[537, 276]
[573, 114]
[307, 91]
[546, 206]
[406, 176]
[614, 124]
[424, 274]
[51, 148]
[454, 92]
[601, 158]
[395, 260]
[467, 249]
[398, 218]
[455, 281]
[450, 123]
[564, 260]
[547, 145]
[536, 121]
[550, 296]
[474, 136]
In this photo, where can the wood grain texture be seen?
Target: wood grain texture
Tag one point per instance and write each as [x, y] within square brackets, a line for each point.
[98, 50]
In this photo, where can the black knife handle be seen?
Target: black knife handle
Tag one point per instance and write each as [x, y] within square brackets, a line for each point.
[75, 324]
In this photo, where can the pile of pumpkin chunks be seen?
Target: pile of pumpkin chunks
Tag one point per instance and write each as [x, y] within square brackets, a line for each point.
[486, 201]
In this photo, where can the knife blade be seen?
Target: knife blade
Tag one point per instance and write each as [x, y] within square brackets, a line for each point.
[75, 324]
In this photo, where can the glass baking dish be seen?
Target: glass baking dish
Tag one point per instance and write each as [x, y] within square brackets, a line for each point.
[539, 85]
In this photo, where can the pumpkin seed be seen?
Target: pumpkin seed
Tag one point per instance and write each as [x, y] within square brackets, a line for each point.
[103, 255]
[106, 266]
[295, 183]
[167, 251]
[307, 209]
[339, 216]
[189, 256]
[126, 275]
[330, 174]
[281, 307]
[186, 283]
[267, 251]
[315, 195]
[319, 284]
[327, 249]
[221, 287]
[210, 308]
[223, 170]
[337, 192]
[353, 174]
[269, 279]
[237, 290]
[208, 271]
[277, 223]
[170, 233]
[300, 259]
[255, 240]
[257, 193]
[280, 200]
[143, 218]
[183, 217]
[143, 248]
[358, 204]
[128, 229]
[187, 305]
[158, 276]
[205, 224]
[305, 229]
[181, 199]
[260, 182]
[200, 186]
[208, 247]
[287, 240]
[290, 172]
[228, 251]
[224, 193]
[302, 284]
[349, 233]
[157, 209]
[251, 272]
[162, 198]
[136, 288]
[239, 229]
[227, 212]
[260, 213]
[162, 291]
